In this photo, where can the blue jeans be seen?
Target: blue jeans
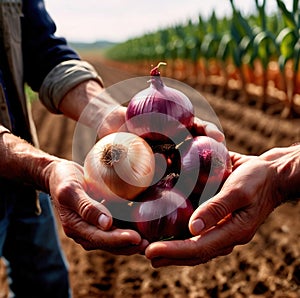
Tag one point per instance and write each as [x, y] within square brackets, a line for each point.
[29, 242]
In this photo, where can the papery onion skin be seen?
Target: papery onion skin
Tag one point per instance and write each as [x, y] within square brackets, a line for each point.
[119, 165]
[210, 161]
[160, 112]
[162, 213]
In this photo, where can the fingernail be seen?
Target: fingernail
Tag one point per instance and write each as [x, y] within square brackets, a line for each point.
[104, 221]
[197, 226]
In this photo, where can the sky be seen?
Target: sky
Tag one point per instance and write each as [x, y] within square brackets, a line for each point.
[119, 20]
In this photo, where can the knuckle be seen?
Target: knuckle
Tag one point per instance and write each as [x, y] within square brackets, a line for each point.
[84, 208]
[88, 211]
[69, 232]
[206, 253]
[241, 193]
[217, 209]
[64, 193]
[246, 229]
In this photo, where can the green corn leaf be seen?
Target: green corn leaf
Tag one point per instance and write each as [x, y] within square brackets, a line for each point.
[286, 41]
[297, 57]
[281, 63]
[237, 58]
[296, 7]
[288, 16]
[214, 22]
[262, 14]
[225, 48]
[248, 50]
[235, 34]
[265, 47]
[209, 46]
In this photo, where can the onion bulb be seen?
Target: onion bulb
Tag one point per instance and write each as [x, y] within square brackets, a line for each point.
[163, 212]
[159, 112]
[119, 165]
[205, 165]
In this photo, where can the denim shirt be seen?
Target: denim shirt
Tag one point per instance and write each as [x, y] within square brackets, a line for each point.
[32, 54]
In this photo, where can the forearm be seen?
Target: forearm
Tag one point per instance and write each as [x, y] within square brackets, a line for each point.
[85, 102]
[75, 89]
[286, 162]
[89, 104]
[22, 162]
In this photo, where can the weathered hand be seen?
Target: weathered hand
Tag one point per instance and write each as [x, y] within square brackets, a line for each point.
[228, 219]
[83, 219]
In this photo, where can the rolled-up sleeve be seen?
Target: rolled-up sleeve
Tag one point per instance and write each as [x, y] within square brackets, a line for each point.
[3, 130]
[51, 66]
[64, 77]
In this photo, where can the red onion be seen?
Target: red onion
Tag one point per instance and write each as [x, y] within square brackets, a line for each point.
[159, 213]
[205, 165]
[162, 213]
[160, 113]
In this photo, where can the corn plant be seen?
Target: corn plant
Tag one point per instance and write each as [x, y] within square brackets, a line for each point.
[265, 48]
[240, 49]
[242, 36]
[289, 43]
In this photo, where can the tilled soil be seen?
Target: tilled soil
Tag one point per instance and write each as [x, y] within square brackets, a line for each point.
[268, 266]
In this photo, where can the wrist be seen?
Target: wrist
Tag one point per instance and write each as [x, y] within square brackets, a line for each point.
[43, 173]
[22, 162]
[286, 162]
[87, 103]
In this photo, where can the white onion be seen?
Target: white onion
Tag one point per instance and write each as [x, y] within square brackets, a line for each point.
[119, 165]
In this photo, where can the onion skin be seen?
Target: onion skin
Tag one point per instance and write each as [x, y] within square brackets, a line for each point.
[159, 213]
[120, 165]
[170, 159]
[158, 112]
[181, 170]
[163, 213]
[210, 161]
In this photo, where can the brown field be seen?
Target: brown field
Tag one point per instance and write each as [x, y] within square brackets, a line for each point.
[268, 266]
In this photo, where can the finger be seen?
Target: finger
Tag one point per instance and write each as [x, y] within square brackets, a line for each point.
[123, 249]
[209, 129]
[238, 159]
[175, 249]
[90, 237]
[71, 197]
[235, 156]
[94, 212]
[113, 122]
[130, 249]
[193, 251]
[227, 201]
[217, 241]
[162, 262]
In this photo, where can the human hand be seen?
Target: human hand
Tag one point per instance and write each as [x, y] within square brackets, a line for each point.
[113, 122]
[206, 128]
[228, 219]
[83, 219]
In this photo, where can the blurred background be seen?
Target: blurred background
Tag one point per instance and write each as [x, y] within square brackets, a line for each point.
[243, 57]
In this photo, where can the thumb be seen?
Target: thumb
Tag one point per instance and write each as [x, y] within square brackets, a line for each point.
[94, 212]
[213, 211]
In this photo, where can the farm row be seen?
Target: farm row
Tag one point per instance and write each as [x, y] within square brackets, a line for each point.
[255, 57]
